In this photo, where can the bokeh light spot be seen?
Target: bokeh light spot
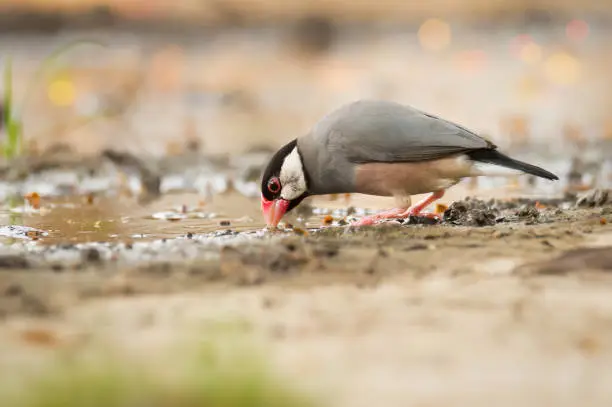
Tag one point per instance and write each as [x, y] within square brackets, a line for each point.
[531, 53]
[472, 61]
[577, 30]
[518, 43]
[526, 49]
[530, 88]
[562, 68]
[435, 34]
[62, 92]
[167, 67]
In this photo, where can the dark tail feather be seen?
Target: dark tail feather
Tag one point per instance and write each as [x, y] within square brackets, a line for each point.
[497, 158]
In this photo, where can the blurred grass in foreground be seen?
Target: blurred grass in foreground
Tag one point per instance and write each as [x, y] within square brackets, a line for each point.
[10, 114]
[214, 373]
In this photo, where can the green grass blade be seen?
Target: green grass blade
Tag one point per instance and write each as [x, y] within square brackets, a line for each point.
[12, 146]
[11, 126]
[8, 90]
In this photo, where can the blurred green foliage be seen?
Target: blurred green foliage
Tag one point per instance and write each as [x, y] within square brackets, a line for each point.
[12, 145]
[219, 372]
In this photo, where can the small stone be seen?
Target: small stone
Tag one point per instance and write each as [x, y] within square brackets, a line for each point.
[268, 302]
[35, 306]
[326, 249]
[92, 255]
[595, 198]
[421, 220]
[416, 246]
[57, 267]
[13, 290]
[13, 261]
[225, 223]
[528, 211]
[227, 232]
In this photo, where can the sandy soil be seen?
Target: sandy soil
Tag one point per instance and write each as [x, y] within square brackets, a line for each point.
[458, 314]
[399, 315]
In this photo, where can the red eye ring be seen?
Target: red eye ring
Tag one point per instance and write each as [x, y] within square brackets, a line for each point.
[274, 185]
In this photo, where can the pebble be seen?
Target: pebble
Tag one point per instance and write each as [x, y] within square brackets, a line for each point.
[92, 255]
[13, 290]
[13, 261]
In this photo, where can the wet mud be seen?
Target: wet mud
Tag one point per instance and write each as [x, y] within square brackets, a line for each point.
[147, 224]
[139, 249]
[38, 278]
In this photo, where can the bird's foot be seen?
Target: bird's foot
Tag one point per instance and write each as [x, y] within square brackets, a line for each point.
[395, 214]
[399, 213]
[373, 219]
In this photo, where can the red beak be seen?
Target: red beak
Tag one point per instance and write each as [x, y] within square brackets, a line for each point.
[274, 210]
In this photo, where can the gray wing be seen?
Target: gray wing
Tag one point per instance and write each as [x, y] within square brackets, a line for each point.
[379, 131]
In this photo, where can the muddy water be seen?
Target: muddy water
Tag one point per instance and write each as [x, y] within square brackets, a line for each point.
[384, 306]
[107, 219]
[197, 88]
[79, 219]
[116, 216]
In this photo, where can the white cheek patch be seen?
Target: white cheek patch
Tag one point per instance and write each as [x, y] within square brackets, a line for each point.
[292, 176]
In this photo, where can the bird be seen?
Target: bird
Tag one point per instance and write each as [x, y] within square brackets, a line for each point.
[381, 148]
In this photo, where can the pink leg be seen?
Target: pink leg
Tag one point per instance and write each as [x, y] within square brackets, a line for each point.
[372, 219]
[416, 209]
[399, 213]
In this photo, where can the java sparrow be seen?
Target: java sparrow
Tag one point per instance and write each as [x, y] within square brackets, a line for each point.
[379, 148]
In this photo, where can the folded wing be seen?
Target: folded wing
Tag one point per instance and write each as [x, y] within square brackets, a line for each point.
[379, 131]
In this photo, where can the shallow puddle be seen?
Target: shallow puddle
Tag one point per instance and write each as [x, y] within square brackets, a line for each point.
[112, 216]
[108, 219]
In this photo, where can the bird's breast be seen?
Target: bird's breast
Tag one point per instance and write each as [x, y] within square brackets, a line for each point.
[392, 179]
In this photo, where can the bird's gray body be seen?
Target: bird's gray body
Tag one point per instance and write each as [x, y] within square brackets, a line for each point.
[374, 135]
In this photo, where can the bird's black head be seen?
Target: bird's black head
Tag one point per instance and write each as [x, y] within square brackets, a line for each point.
[284, 183]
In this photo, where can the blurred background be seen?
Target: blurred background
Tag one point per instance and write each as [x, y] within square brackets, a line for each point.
[231, 75]
[205, 90]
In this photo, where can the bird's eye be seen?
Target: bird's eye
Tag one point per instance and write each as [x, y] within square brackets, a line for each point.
[274, 185]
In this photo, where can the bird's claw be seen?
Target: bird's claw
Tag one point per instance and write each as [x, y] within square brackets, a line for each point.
[365, 221]
[390, 215]
[376, 218]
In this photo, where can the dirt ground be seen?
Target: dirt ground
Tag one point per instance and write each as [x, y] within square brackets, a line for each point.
[505, 303]
[515, 312]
